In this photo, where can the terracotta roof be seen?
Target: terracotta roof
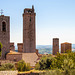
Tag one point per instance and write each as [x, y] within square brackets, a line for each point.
[30, 58]
[13, 52]
[65, 43]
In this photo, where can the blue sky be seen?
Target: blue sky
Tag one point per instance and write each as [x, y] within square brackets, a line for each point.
[54, 19]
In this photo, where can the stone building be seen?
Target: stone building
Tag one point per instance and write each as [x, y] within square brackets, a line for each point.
[12, 47]
[27, 50]
[66, 46]
[29, 43]
[55, 45]
[20, 47]
[14, 56]
[5, 34]
[27, 57]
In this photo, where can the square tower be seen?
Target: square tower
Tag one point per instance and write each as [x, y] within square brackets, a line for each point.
[29, 43]
[20, 47]
[55, 45]
[12, 47]
[66, 47]
[5, 34]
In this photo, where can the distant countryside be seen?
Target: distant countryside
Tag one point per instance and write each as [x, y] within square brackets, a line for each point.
[47, 49]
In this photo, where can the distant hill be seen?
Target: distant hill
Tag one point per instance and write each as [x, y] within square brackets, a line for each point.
[44, 49]
[47, 49]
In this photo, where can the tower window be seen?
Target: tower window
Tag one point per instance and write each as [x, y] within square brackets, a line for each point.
[3, 26]
[30, 19]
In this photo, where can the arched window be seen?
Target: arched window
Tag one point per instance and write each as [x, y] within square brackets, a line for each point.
[3, 26]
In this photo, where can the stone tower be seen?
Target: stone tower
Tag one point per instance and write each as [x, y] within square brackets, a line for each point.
[66, 47]
[5, 34]
[55, 45]
[29, 43]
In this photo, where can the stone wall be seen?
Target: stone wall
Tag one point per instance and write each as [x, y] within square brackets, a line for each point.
[14, 57]
[16, 73]
[29, 74]
[8, 72]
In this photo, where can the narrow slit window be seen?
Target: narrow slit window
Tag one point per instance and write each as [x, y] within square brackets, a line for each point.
[30, 19]
[3, 26]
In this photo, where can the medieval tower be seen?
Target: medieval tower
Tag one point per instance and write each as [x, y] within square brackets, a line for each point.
[55, 45]
[29, 43]
[5, 34]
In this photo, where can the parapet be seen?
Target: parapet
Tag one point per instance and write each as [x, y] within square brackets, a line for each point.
[27, 10]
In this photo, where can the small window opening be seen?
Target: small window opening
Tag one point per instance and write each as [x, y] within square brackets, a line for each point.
[3, 26]
[30, 19]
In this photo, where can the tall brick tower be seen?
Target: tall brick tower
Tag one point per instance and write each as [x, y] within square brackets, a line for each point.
[5, 34]
[55, 45]
[29, 43]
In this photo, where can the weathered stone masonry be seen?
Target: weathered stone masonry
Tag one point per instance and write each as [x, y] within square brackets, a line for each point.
[29, 43]
[5, 34]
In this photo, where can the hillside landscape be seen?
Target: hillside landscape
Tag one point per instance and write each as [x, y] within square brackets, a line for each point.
[47, 49]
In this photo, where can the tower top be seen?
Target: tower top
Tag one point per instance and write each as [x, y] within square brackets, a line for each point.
[1, 11]
[29, 10]
[32, 6]
[55, 38]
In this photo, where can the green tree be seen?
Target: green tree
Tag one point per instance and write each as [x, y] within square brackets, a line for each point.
[46, 62]
[22, 66]
[67, 66]
[7, 66]
[60, 59]
[0, 48]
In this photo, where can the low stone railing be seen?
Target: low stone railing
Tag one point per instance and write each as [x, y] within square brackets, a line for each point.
[29, 74]
[8, 72]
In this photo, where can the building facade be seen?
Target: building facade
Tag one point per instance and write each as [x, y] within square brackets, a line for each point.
[65, 47]
[55, 45]
[5, 34]
[29, 43]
